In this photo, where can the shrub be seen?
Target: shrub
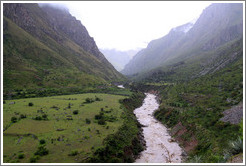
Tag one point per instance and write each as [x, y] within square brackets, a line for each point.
[42, 151]
[42, 141]
[21, 156]
[44, 116]
[87, 121]
[75, 112]
[101, 121]
[89, 100]
[236, 146]
[30, 104]
[34, 158]
[97, 117]
[97, 98]
[13, 119]
[73, 153]
[38, 118]
[22, 116]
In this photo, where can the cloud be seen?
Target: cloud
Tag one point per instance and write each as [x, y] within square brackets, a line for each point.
[54, 5]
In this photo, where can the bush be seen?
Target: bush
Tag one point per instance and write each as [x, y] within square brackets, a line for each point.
[14, 119]
[21, 156]
[44, 116]
[42, 141]
[87, 121]
[42, 151]
[30, 104]
[73, 153]
[22, 116]
[38, 118]
[34, 159]
[75, 112]
[97, 98]
[89, 100]
[236, 146]
[97, 117]
[101, 121]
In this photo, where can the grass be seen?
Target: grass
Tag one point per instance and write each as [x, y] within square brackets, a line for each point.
[62, 136]
[198, 104]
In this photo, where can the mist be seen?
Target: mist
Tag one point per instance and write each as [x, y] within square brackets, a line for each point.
[54, 5]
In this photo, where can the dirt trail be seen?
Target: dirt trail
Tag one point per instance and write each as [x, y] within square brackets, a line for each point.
[159, 147]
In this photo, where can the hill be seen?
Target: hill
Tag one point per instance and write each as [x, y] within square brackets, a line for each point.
[47, 48]
[184, 49]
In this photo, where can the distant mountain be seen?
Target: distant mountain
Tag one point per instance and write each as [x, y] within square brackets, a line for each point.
[46, 47]
[118, 58]
[183, 51]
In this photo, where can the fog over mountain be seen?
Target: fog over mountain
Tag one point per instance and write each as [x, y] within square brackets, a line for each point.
[218, 24]
[119, 58]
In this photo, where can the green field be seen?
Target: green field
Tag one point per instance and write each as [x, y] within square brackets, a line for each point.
[61, 122]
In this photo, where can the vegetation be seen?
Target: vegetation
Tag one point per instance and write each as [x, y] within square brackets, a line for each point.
[198, 105]
[125, 144]
[53, 139]
[37, 63]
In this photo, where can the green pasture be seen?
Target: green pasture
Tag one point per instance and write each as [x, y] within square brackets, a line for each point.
[68, 137]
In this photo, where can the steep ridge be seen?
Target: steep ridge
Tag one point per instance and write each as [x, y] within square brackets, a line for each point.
[218, 25]
[46, 47]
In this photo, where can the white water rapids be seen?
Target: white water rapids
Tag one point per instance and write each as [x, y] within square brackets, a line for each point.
[159, 148]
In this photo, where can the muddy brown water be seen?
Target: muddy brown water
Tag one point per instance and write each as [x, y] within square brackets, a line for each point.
[159, 148]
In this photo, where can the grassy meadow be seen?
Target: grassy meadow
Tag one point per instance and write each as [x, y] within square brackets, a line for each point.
[59, 128]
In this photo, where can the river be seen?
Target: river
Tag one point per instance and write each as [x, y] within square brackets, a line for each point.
[159, 147]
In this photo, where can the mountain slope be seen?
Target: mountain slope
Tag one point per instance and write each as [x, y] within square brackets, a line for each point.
[118, 58]
[48, 48]
[218, 25]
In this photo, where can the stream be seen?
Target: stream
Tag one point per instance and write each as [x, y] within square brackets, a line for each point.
[159, 146]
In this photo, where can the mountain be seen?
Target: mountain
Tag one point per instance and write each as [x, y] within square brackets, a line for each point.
[182, 52]
[46, 47]
[197, 71]
[118, 58]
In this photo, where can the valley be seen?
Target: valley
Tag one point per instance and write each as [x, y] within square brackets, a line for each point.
[179, 100]
[160, 147]
[71, 126]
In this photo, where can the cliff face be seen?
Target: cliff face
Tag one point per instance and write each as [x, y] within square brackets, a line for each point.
[73, 29]
[51, 45]
[54, 22]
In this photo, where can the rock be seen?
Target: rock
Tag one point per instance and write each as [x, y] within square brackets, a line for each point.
[171, 140]
[60, 129]
[233, 115]
[183, 154]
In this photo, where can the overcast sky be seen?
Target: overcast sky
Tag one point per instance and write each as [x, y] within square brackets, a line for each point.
[126, 25]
